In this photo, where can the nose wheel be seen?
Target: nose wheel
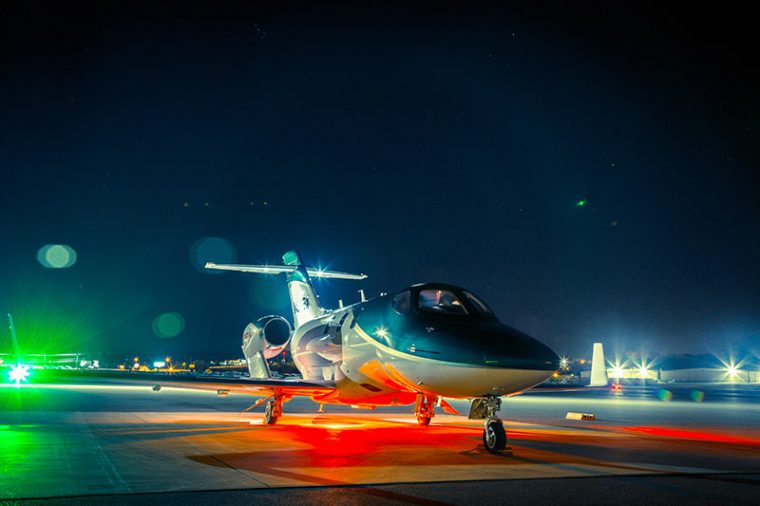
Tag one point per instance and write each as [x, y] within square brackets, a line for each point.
[494, 436]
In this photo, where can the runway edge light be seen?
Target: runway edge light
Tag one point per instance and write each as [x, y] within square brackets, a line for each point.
[18, 373]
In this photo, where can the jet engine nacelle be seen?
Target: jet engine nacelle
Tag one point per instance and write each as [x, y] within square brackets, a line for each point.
[268, 336]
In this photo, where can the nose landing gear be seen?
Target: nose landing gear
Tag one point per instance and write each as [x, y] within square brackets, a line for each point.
[494, 435]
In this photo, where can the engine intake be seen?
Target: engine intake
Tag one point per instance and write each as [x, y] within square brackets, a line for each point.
[276, 330]
[268, 336]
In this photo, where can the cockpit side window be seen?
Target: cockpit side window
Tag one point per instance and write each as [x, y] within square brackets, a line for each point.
[402, 302]
[480, 306]
[440, 301]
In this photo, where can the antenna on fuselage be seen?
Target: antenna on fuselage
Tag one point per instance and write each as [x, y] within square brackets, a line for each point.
[362, 297]
[340, 303]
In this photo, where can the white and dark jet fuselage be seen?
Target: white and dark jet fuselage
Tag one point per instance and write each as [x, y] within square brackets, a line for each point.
[420, 345]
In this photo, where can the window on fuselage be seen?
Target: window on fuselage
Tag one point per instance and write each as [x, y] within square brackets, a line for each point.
[440, 301]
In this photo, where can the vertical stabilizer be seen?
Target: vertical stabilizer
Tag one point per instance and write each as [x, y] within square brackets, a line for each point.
[303, 299]
[598, 367]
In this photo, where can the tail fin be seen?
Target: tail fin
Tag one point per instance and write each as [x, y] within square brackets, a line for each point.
[303, 298]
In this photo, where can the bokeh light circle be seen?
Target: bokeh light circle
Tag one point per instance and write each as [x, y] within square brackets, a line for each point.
[168, 325]
[212, 249]
[56, 256]
[664, 395]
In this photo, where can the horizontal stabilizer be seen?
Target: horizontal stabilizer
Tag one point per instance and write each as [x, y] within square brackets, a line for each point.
[279, 269]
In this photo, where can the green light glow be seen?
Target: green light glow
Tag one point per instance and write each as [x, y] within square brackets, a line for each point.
[56, 311]
[46, 328]
[581, 203]
[664, 395]
[697, 395]
[57, 256]
[17, 450]
[19, 373]
[168, 324]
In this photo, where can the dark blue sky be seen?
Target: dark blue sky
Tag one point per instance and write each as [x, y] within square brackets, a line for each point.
[410, 143]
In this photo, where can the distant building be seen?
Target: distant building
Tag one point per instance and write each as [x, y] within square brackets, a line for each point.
[687, 369]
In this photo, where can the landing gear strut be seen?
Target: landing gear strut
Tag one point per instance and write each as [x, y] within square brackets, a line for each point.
[273, 409]
[494, 435]
[424, 408]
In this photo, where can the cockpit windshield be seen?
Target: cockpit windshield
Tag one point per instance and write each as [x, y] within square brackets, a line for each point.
[480, 306]
[440, 301]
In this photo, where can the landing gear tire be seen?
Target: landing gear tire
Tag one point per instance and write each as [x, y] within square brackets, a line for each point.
[423, 420]
[269, 417]
[494, 437]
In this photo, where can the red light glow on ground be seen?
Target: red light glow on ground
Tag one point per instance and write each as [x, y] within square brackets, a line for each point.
[693, 435]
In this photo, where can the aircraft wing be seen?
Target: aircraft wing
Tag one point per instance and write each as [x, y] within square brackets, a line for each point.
[219, 384]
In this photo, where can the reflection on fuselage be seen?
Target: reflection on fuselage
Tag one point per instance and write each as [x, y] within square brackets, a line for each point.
[433, 338]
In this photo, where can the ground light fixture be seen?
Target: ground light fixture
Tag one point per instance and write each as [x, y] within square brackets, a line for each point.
[18, 373]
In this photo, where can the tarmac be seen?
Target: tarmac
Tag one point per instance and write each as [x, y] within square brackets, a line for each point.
[89, 444]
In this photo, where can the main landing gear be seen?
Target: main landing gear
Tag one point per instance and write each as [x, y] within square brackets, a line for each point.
[273, 410]
[494, 435]
[424, 408]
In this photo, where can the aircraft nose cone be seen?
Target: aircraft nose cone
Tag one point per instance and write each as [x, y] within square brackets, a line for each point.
[520, 351]
[493, 345]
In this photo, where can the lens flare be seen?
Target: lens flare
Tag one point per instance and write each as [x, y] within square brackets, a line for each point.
[56, 256]
[19, 373]
[168, 325]
[270, 293]
[732, 369]
[617, 370]
[212, 249]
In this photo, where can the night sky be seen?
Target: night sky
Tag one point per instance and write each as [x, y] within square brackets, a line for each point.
[425, 143]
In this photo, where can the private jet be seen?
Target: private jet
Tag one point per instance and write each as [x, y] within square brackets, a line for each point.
[418, 346]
